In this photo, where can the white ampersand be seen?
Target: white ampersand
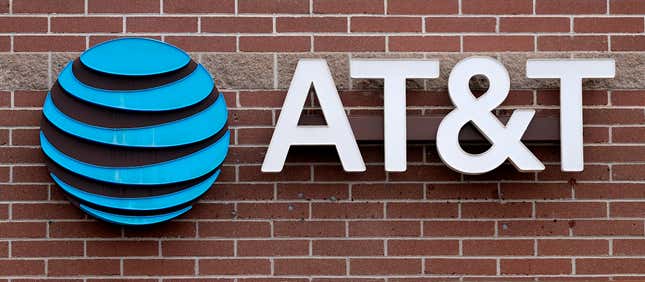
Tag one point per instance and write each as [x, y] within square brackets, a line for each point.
[505, 139]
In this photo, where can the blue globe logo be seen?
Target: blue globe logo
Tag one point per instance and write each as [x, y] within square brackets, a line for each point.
[134, 131]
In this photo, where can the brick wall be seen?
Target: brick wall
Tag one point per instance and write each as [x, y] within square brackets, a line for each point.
[313, 222]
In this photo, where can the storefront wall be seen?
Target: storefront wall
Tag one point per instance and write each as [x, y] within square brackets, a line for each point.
[313, 221]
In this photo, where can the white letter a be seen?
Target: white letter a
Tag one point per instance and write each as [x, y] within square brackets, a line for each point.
[337, 132]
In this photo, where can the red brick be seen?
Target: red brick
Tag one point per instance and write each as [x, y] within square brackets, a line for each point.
[289, 173]
[384, 228]
[46, 248]
[83, 267]
[272, 210]
[497, 6]
[626, 209]
[608, 228]
[590, 97]
[161, 24]
[234, 229]
[310, 266]
[460, 266]
[5, 43]
[612, 116]
[22, 229]
[19, 117]
[26, 98]
[503, 172]
[424, 43]
[20, 155]
[626, 7]
[571, 6]
[349, 43]
[570, 210]
[275, 43]
[573, 247]
[122, 248]
[272, 248]
[608, 25]
[462, 191]
[458, 228]
[212, 211]
[5, 96]
[534, 24]
[204, 43]
[346, 210]
[423, 7]
[313, 191]
[426, 173]
[387, 191]
[311, 24]
[123, 6]
[348, 248]
[628, 247]
[385, 24]
[422, 247]
[46, 211]
[628, 98]
[494, 43]
[54, 43]
[193, 248]
[23, 192]
[48, 6]
[422, 210]
[23, 24]
[86, 24]
[259, 136]
[627, 134]
[173, 229]
[536, 190]
[237, 24]
[13, 267]
[82, 230]
[628, 172]
[460, 24]
[249, 117]
[309, 229]
[380, 266]
[228, 191]
[199, 7]
[535, 266]
[273, 6]
[614, 153]
[234, 266]
[497, 247]
[496, 210]
[268, 99]
[572, 43]
[31, 174]
[628, 43]
[159, 267]
[348, 7]
[610, 265]
[525, 228]
[335, 172]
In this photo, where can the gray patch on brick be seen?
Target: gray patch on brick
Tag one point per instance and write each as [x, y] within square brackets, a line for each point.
[23, 71]
[59, 61]
[378, 83]
[338, 65]
[240, 71]
[630, 71]
[516, 66]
